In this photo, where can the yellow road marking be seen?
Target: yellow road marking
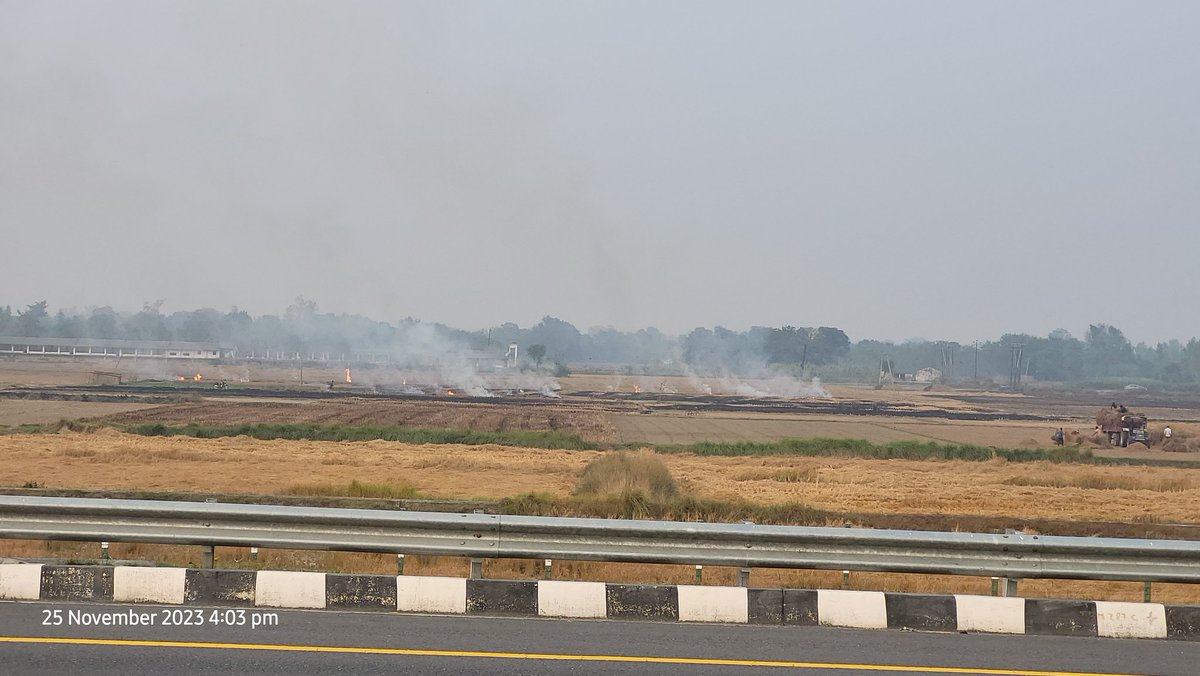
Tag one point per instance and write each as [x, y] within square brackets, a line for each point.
[548, 656]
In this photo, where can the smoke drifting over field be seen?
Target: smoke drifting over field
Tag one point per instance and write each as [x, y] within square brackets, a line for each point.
[761, 382]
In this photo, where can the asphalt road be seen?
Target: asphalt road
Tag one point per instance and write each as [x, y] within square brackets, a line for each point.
[325, 642]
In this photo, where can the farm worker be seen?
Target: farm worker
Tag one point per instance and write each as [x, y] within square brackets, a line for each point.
[1167, 432]
[1058, 437]
[1122, 409]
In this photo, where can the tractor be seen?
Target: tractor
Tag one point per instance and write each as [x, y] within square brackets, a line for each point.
[1122, 428]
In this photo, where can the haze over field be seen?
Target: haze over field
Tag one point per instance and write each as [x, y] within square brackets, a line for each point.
[938, 169]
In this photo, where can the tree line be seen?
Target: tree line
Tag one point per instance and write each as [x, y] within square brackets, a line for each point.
[1103, 353]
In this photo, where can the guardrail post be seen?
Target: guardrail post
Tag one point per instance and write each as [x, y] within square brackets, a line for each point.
[254, 553]
[399, 564]
[743, 577]
[699, 574]
[548, 564]
[478, 537]
[995, 586]
[1008, 586]
[1146, 592]
[104, 550]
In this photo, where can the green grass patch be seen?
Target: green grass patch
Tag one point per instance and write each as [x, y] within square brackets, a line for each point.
[860, 448]
[557, 440]
[411, 435]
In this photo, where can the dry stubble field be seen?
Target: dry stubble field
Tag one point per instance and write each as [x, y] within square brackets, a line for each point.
[111, 459]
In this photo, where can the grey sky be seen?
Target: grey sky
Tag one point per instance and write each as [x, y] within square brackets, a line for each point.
[896, 169]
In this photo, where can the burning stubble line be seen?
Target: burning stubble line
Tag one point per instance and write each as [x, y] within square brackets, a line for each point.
[556, 657]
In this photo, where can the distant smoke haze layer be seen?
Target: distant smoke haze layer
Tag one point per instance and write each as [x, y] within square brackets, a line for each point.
[786, 361]
[947, 170]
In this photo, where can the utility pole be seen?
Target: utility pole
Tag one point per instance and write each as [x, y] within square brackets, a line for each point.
[977, 360]
[1014, 366]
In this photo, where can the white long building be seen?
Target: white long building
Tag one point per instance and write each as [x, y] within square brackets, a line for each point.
[100, 347]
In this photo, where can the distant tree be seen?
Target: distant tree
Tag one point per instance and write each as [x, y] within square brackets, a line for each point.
[562, 339]
[32, 321]
[66, 326]
[787, 345]
[236, 326]
[149, 324]
[537, 352]
[102, 323]
[1191, 358]
[827, 344]
[1109, 352]
[201, 326]
[502, 336]
[301, 311]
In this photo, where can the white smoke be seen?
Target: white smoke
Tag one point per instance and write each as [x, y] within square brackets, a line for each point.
[746, 377]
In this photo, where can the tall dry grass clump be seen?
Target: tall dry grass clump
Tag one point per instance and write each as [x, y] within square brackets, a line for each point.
[357, 489]
[624, 473]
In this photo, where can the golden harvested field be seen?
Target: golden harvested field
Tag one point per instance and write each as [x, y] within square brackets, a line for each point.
[111, 459]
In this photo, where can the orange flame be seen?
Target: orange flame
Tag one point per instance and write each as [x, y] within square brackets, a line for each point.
[197, 377]
[348, 376]
[450, 392]
[637, 389]
[182, 378]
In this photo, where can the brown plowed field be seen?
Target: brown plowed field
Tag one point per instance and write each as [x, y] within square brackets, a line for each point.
[672, 428]
[591, 422]
[15, 412]
[590, 425]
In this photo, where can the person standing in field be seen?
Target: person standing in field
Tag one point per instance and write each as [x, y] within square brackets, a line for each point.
[1058, 437]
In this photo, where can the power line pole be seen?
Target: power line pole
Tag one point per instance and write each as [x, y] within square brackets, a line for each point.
[1014, 367]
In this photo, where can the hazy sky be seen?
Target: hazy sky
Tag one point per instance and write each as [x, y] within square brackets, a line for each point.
[896, 169]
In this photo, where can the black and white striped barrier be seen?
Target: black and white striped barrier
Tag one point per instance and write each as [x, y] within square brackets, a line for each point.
[598, 600]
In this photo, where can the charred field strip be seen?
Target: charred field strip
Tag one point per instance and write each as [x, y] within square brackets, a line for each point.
[1181, 407]
[600, 401]
[735, 404]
